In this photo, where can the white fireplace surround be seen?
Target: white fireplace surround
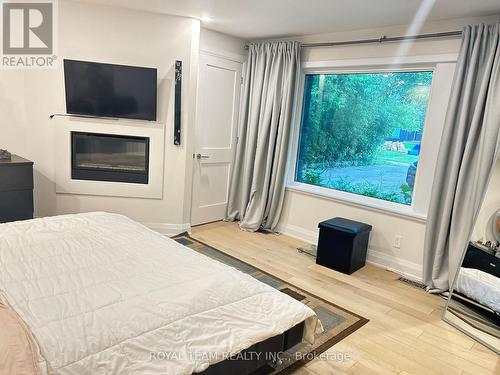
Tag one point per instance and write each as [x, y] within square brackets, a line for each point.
[66, 185]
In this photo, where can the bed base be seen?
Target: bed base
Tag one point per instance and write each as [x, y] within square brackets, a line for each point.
[268, 350]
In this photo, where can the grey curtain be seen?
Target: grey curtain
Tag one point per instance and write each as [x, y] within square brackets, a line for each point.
[469, 150]
[257, 186]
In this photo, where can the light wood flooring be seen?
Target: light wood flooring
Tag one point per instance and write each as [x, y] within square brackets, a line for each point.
[405, 334]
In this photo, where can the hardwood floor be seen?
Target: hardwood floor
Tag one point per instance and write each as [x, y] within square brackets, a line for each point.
[405, 334]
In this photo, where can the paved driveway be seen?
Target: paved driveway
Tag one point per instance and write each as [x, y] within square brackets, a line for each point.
[389, 176]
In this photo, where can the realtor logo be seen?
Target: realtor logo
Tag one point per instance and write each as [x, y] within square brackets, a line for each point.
[28, 34]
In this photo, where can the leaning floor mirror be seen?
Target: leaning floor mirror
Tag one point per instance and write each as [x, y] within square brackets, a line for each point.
[474, 302]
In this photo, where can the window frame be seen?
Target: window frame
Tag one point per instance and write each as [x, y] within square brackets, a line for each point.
[431, 136]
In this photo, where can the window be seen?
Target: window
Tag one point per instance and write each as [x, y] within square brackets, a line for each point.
[361, 132]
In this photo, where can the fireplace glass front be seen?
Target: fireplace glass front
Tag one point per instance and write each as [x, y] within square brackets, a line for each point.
[109, 157]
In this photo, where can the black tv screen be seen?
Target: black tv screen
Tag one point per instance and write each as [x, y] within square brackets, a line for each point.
[108, 90]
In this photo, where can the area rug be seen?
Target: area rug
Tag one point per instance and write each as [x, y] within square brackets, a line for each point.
[338, 322]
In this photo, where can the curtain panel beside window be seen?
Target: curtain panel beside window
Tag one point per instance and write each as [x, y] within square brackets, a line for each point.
[257, 187]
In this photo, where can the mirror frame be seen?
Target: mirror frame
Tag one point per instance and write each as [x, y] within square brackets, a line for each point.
[445, 319]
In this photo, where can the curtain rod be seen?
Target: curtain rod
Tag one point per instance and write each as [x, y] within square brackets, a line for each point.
[382, 39]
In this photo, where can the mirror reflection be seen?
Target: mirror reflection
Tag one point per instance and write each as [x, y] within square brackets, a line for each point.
[474, 302]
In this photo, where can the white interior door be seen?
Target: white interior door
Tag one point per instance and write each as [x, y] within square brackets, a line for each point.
[219, 86]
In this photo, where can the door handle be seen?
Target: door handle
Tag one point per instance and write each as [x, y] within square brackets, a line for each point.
[200, 156]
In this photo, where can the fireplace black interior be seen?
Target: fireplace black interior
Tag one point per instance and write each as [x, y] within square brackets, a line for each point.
[109, 157]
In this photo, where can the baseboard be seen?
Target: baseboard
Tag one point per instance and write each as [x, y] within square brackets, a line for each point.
[299, 232]
[376, 257]
[169, 229]
[403, 267]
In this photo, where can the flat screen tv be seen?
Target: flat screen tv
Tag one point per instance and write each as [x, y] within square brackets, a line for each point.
[108, 90]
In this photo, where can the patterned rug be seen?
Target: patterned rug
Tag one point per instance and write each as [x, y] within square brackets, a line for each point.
[337, 322]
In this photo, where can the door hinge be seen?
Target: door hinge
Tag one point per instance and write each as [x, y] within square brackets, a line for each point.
[241, 80]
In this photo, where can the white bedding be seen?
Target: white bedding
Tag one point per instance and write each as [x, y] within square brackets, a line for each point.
[479, 286]
[102, 294]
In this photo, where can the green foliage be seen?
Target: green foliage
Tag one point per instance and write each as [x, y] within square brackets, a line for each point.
[367, 189]
[406, 192]
[371, 190]
[347, 116]
[312, 176]
[345, 120]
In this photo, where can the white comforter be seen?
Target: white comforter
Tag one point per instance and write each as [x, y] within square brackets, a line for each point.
[102, 294]
[479, 286]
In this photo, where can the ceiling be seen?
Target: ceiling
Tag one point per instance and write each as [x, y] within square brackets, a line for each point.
[256, 19]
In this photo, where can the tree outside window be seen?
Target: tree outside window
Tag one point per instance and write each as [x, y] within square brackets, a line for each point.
[361, 132]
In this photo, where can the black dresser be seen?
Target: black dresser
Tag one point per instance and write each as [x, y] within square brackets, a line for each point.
[16, 189]
[480, 259]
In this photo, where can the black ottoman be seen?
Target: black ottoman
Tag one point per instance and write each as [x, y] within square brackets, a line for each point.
[342, 244]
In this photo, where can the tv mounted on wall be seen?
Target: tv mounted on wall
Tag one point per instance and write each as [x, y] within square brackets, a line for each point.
[108, 90]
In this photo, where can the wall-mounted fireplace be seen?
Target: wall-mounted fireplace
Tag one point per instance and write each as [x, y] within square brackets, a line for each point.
[109, 157]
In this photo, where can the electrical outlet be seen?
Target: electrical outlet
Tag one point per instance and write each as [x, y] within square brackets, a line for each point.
[397, 241]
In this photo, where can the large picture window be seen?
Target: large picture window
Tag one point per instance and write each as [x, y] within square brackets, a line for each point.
[361, 132]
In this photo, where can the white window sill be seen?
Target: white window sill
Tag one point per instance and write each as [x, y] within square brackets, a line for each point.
[360, 201]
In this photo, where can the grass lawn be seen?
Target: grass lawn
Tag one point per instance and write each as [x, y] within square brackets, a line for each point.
[384, 156]
[409, 145]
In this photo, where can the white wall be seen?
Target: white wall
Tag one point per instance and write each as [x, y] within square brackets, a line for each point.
[115, 35]
[422, 47]
[303, 211]
[222, 44]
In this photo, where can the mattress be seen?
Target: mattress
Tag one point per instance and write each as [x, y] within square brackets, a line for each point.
[480, 286]
[102, 294]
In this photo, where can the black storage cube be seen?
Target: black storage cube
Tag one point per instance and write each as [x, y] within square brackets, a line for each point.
[342, 244]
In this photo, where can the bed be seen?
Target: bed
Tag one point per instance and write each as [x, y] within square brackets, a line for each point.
[479, 286]
[100, 293]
